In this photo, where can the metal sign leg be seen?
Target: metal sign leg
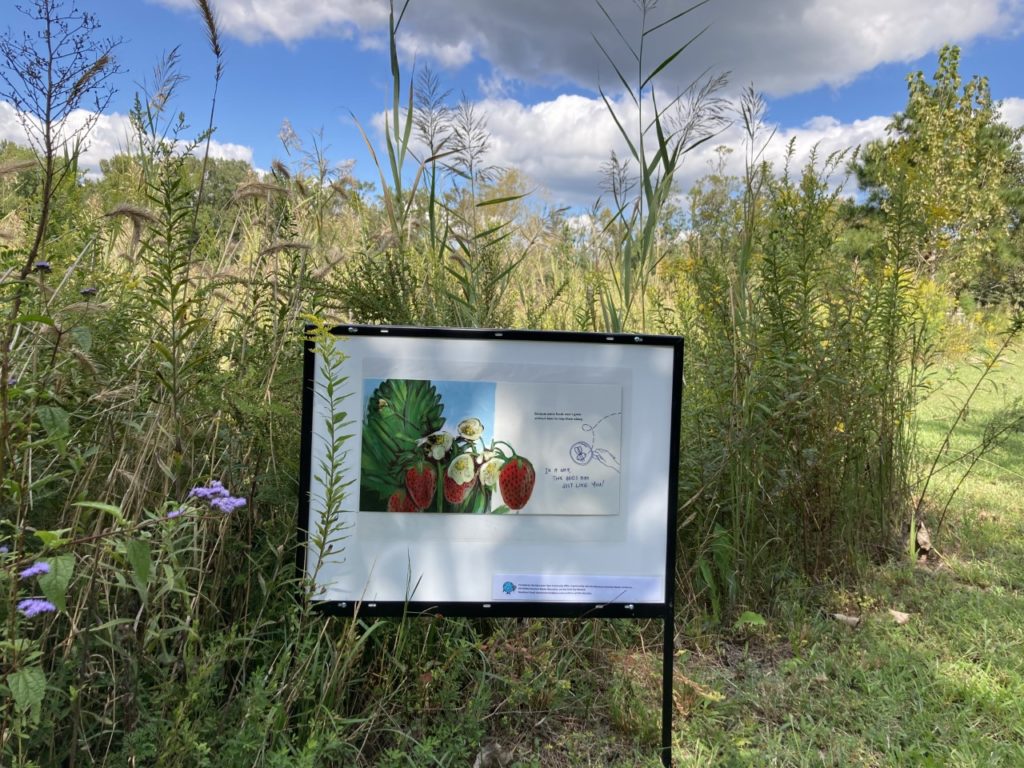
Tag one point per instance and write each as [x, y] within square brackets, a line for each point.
[666, 690]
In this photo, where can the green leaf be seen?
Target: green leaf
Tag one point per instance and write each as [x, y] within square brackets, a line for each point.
[51, 539]
[55, 420]
[622, 131]
[750, 619]
[668, 21]
[28, 688]
[82, 337]
[55, 583]
[110, 509]
[110, 625]
[704, 568]
[141, 560]
[622, 37]
[499, 200]
[163, 350]
[33, 318]
[671, 58]
[399, 413]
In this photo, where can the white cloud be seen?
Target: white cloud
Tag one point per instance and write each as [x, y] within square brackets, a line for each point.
[292, 20]
[826, 135]
[1012, 111]
[558, 144]
[561, 144]
[783, 46]
[109, 135]
[495, 85]
[451, 55]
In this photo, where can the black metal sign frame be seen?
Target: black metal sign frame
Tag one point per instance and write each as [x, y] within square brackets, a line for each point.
[663, 609]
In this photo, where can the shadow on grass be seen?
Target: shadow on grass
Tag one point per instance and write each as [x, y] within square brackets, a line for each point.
[945, 689]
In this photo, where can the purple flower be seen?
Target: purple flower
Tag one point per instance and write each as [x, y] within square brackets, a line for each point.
[4, 549]
[36, 569]
[212, 490]
[33, 606]
[89, 292]
[217, 496]
[227, 504]
[175, 512]
[41, 266]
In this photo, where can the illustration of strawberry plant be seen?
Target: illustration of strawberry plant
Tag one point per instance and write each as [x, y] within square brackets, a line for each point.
[399, 413]
[410, 463]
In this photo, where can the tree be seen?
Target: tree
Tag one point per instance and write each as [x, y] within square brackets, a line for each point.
[943, 170]
[1003, 279]
[46, 76]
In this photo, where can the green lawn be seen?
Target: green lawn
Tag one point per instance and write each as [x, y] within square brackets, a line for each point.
[945, 689]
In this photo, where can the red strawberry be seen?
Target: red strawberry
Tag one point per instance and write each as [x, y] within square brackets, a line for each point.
[399, 501]
[421, 482]
[516, 481]
[454, 492]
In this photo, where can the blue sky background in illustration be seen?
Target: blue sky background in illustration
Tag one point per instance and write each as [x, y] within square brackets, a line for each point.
[461, 400]
[833, 71]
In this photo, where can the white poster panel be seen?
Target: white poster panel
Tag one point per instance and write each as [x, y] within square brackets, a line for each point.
[475, 463]
[575, 432]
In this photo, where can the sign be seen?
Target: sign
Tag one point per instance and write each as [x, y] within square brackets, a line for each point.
[481, 472]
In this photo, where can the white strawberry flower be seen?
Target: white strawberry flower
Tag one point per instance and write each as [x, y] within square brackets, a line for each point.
[438, 444]
[471, 428]
[489, 472]
[461, 468]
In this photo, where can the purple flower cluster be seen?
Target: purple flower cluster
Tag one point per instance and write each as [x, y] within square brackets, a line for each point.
[213, 489]
[227, 504]
[217, 496]
[36, 569]
[33, 606]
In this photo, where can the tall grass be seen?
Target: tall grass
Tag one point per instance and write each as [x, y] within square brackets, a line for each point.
[657, 146]
[804, 369]
[155, 374]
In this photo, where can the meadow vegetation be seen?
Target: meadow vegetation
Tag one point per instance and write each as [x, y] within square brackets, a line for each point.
[846, 381]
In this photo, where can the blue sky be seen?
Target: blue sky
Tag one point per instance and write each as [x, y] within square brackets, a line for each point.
[833, 71]
[460, 399]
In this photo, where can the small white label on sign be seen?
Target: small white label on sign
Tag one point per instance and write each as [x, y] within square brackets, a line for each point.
[573, 588]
